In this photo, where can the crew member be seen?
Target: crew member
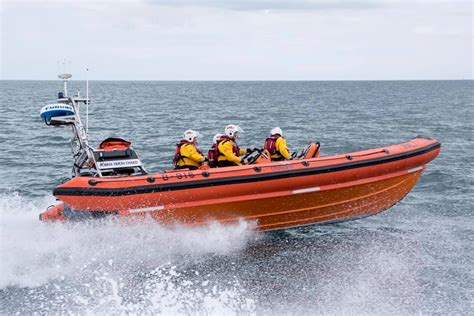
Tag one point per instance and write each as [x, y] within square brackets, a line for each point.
[187, 155]
[213, 153]
[276, 145]
[229, 151]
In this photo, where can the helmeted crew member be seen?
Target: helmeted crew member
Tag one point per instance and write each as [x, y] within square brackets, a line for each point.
[213, 153]
[276, 145]
[229, 151]
[187, 155]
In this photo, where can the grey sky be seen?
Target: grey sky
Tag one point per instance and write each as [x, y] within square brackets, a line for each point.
[238, 40]
[250, 5]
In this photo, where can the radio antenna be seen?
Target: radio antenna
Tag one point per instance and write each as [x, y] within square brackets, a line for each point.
[87, 101]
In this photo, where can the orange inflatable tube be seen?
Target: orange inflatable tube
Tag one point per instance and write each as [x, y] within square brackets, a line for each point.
[274, 195]
[312, 151]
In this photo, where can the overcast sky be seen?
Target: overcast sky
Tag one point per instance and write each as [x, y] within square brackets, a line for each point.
[238, 40]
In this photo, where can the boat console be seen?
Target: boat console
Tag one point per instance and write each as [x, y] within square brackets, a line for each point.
[117, 162]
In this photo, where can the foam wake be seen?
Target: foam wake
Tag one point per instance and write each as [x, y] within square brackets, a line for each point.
[114, 266]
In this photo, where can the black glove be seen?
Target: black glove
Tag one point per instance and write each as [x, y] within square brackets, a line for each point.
[249, 150]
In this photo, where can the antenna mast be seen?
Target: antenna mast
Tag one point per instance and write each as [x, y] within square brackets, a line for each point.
[87, 101]
[65, 77]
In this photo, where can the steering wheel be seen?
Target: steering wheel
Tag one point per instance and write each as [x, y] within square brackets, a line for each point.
[252, 156]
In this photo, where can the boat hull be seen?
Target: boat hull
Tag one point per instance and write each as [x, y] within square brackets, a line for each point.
[330, 204]
[274, 196]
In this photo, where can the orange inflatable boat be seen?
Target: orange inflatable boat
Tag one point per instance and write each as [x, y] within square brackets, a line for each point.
[274, 195]
[309, 189]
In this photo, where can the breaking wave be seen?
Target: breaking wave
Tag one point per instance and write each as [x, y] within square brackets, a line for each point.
[112, 266]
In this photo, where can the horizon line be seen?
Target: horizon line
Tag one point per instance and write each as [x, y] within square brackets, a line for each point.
[243, 80]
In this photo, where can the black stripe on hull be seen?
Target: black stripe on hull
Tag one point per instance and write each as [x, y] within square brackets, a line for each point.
[240, 179]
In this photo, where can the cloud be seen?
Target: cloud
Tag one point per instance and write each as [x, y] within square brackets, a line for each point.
[301, 5]
[277, 5]
[211, 40]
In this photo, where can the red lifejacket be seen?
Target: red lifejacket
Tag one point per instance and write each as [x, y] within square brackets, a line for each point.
[270, 144]
[177, 154]
[235, 148]
[212, 155]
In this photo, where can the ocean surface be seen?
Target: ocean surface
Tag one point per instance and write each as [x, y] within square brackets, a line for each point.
[417, 257]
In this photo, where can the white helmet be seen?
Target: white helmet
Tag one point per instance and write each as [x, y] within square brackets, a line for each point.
[231, 130]
[216, 138]
[276, 130]
[190, 135]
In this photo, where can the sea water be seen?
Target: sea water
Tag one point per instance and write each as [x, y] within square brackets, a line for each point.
[417, 257]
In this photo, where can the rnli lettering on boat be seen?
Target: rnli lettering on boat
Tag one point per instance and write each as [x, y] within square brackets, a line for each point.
[282, 167]
[118, 163]
[408, 145]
